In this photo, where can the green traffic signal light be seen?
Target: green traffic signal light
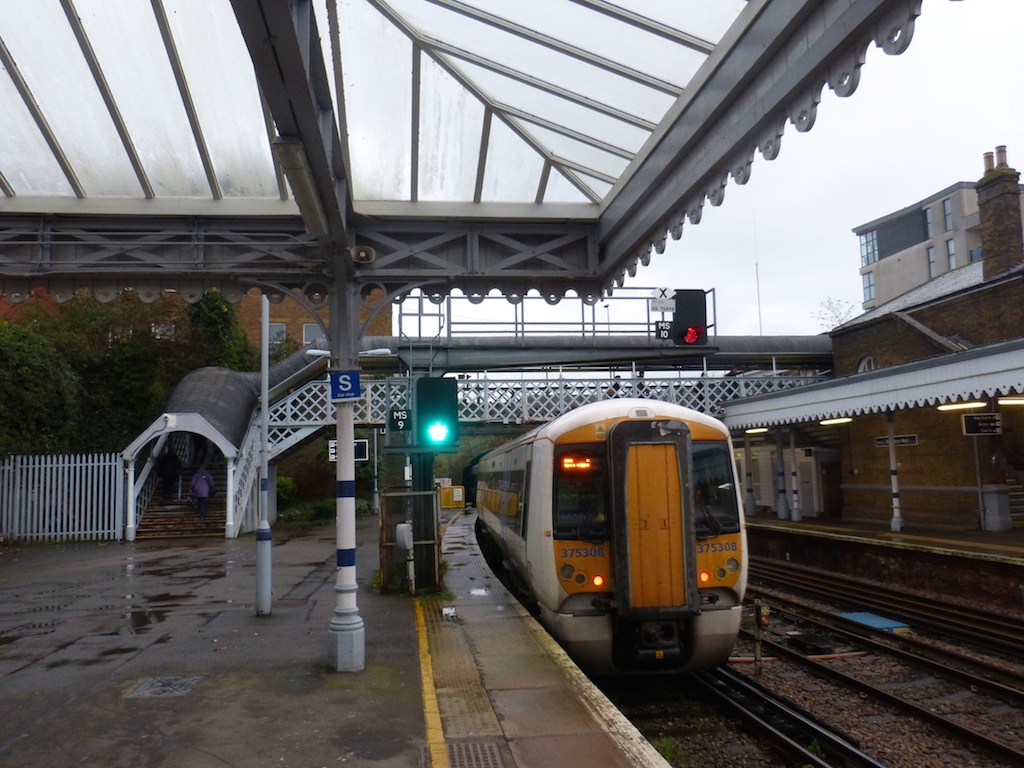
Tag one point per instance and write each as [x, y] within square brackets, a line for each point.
[437, 412]
[437, 432]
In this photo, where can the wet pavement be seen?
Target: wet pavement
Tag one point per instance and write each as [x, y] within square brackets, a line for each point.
[151, 654]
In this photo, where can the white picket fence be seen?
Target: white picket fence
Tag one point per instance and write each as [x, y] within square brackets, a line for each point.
[62, 498]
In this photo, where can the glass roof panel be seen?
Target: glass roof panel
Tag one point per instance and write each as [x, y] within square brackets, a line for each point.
[536, 60]
[380, 150]
[579, 153]
[549, 106]
[573, 86]
[450, 134]
[585, 83]
[513, 170]
[126, 39]
[601, 34]
[48, 57]
[223, 87]
[561, 190]
[25, 160]
[706, 19]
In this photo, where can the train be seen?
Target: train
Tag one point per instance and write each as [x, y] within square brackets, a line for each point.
[620, 525]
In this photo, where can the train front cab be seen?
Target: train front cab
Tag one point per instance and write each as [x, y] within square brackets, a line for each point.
[676, 557]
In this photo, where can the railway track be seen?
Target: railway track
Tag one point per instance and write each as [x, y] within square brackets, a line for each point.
[923, 709]
[997, 679]
[791, 731]
[964, 678]
[999, 633]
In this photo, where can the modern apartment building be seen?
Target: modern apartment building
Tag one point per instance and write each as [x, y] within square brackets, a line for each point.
[905, 249]
[910, 247]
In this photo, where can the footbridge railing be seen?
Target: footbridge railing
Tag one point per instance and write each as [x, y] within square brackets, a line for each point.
[513, 399]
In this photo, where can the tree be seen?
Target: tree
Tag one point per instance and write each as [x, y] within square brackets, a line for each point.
[41, 404]
[129, 355]
[834, 312]
[219, 333]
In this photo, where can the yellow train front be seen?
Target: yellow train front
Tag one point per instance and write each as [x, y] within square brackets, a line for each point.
[621, 522]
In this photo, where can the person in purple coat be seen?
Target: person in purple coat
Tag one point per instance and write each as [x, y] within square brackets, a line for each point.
[202, 488]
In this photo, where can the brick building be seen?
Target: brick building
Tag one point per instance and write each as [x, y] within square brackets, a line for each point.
[291, 321]
[907, 373]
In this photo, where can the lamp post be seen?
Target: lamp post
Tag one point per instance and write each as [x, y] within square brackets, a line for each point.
[263, 535]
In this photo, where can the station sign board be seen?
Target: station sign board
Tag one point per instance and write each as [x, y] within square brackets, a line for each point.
[345, 385]
[361, 445]
[898, 440]
[982, 423]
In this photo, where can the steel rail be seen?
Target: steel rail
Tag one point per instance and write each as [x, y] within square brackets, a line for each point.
[968, 736]
[982, 674]
[1004, 634]
[786, 725]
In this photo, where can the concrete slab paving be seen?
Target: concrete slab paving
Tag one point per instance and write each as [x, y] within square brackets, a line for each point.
[83, 626]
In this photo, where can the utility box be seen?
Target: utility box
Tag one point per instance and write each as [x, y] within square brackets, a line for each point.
[453, 497]
[410, 518]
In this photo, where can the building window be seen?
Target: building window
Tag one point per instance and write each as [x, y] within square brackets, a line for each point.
[867, 363]
[868, 248]
[277, 333]
[927, 223]
[976, 254]
[869, 285]
[932, 269]
[311, 332]
[947, 215]
[163, 330]
[951, 254]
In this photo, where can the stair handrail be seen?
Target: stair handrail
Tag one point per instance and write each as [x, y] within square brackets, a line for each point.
[247, 465]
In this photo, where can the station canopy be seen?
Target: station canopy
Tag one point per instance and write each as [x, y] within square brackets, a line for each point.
[584, 130]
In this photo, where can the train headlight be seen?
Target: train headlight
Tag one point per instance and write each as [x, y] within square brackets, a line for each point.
[566, 571]
[720, 573]
[705, 577]
[598, 580]
[732, 564]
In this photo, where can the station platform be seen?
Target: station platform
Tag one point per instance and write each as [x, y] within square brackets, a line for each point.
[151, 653]
[967, 566]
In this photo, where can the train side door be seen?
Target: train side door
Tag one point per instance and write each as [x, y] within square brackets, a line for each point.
[654, 544]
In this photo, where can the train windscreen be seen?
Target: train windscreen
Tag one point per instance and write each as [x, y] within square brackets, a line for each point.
[714, 489]
[579, 509]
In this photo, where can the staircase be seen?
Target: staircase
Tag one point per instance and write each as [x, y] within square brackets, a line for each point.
[176, 519]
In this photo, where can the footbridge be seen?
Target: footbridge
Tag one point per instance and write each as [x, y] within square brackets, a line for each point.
[222, 407]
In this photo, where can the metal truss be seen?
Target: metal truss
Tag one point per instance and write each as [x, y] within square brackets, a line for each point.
[189, 255]
[477, 258]
[308, 409]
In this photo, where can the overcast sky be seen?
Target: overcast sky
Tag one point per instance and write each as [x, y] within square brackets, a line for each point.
[917, 123]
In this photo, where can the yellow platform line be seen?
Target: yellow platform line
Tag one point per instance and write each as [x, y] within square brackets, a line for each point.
[431, 711]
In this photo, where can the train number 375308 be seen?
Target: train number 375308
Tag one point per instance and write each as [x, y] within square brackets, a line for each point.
[716, 546]
[568, 552]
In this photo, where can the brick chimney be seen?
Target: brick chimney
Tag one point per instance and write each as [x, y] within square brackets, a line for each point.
[1002, 238]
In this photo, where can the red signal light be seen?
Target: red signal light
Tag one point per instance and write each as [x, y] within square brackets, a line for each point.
[694, 333]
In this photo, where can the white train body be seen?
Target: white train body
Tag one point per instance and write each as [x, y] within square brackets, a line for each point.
[621, 521]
